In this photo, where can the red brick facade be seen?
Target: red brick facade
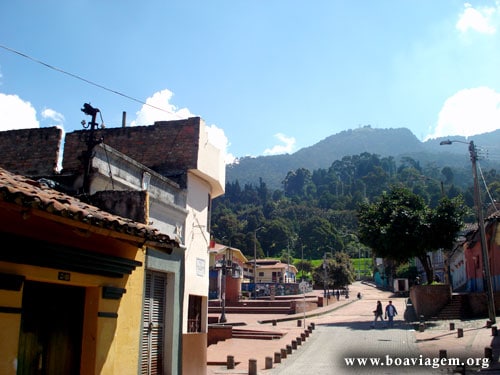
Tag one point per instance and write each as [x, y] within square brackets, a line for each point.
[30, 152]
[167, 147]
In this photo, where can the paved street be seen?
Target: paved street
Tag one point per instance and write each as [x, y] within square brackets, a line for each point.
[345, 332]
[331, 344]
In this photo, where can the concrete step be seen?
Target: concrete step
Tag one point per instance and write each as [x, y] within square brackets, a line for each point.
[251, 310]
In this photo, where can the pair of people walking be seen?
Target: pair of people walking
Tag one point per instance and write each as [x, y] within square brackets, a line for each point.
[390, 313]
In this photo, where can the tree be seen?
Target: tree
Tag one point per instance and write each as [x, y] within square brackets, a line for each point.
[339, 272]
[400, 225]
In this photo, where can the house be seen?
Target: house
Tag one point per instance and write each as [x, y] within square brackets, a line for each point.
[437, 259]
[71, 282]
[177, 172]
[456, 268]
[226, 272]
[474, 256]
[273, 277]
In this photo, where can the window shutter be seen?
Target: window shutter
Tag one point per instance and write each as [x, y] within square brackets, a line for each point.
[153, 324]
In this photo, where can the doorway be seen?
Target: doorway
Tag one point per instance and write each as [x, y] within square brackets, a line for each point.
[50, 337]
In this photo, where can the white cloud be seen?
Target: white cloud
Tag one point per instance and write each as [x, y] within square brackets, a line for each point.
[469, 112]
[158, 108]
[217, 137]
[16, 113]
[477, 19]
[285, 148]
[56, 117]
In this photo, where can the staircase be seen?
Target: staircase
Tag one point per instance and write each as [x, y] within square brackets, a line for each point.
[456, 309]
[256, 335]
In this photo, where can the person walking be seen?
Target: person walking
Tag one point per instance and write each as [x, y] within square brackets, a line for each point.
[390, 313]
[378, 312]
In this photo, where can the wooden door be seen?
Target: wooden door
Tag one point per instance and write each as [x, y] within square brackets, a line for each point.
[51, 329]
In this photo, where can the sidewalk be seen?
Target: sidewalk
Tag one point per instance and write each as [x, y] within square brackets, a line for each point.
[433, 341]
[245, 349]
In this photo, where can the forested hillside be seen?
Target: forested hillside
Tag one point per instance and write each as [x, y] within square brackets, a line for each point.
[315, 211]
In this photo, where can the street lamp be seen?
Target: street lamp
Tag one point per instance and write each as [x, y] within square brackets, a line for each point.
[255, 261]
[324, 276]
[222, 318]
[482, 233]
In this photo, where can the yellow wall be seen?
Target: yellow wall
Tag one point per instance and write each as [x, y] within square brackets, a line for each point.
[9, 328]
[119, 339]
[110, 345]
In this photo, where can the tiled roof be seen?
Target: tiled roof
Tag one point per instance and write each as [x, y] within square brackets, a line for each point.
[35, 195]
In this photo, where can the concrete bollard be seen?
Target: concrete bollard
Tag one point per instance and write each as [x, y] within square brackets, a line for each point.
[283, 353]
[313, 325]
[299, 323]
[269, 363]
[230, 362]
[460, 332]
[299, 340]
[443, 354]
[306, 332]
[274, 322]
[488, 353]
[421, 327]
[452, 326]
[303, 337]
[294, 344]
[252, 366]
[289, 349]
[494, 331]
[277, 357]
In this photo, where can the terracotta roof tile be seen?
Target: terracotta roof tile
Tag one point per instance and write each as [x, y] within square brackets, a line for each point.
[25, 192]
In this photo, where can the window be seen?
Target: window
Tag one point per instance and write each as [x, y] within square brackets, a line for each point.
[194, 314]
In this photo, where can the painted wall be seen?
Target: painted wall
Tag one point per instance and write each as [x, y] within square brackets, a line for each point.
[110, 345]
[10, 320]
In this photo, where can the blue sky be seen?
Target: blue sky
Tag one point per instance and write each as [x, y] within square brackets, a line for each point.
[267, 77]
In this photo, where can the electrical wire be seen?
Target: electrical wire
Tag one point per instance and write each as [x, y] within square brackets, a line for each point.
[486, 186]
[86, 80]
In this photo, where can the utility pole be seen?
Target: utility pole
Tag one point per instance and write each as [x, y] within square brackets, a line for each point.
[482, 233]
[484, 249]
[91, 143]
[255, 262]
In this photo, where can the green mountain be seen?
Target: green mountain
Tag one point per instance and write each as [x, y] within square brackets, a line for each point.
[398, 143]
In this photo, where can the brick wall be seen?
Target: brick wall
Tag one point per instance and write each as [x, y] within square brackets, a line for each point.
[30, 152]
[167, 147]
[428, 300]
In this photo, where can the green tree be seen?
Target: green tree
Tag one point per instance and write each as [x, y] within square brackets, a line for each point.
[400, 225]
[339, 272]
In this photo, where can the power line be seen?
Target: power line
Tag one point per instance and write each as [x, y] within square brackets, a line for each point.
[85, 80]
[486, 188]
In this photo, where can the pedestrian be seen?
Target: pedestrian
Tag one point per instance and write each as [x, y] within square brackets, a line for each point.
[378, 312]
[359, 295]
[337, 295]
[390, 313]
